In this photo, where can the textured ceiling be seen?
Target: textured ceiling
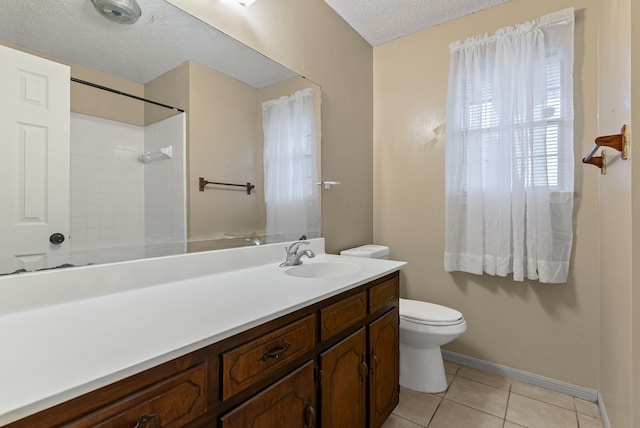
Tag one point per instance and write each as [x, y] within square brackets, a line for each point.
[162, 39]
[380, 21]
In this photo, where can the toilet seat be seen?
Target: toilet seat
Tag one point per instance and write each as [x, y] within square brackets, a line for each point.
[426, 313]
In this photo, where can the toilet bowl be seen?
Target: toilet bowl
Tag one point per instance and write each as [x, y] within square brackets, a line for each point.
[424, 327]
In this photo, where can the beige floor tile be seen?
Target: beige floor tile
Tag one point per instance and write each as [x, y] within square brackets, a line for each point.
[536, 414]
[394, 421]
[589, 422]
[587, 408]
[418, 407]
[543, 394]
[485, 377]
[449, 378]
[479, 396]
[454, 415]
[451, 367]
[509, 424]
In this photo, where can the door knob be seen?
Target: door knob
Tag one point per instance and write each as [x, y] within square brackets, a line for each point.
[56, 238]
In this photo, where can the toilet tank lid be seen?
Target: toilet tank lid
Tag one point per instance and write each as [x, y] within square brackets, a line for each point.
[370, 251]
[428, 312]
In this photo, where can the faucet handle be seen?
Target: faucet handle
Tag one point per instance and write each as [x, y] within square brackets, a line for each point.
[293, 248]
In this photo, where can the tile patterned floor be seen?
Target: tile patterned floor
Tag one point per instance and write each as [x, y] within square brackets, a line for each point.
[478, 399]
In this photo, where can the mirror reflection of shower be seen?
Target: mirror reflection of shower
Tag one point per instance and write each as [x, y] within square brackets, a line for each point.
[163, 153]
[224, 126]
[123, 207]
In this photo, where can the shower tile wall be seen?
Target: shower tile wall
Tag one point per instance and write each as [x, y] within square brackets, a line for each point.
[165, 193]
[107, 191]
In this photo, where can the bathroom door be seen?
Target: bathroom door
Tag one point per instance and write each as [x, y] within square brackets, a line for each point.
[34, 160]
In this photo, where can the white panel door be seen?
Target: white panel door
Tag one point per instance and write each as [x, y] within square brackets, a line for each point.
[34, 160]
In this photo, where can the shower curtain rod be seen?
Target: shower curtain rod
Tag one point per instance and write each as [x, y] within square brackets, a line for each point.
[115, 91]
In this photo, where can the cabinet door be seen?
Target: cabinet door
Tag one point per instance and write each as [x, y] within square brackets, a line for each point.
[288, 403]
[343, 383]
[384, 360]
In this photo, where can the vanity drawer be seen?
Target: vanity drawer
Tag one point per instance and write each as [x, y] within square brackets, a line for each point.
[173, 402]
[337, 317]
[383, 294]
[247, 364]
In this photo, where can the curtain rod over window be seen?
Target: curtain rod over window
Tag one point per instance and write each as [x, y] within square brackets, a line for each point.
[115, 91]
[564, 16]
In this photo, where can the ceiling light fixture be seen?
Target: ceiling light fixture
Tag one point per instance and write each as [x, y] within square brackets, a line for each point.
[246, 3]
[120, 11]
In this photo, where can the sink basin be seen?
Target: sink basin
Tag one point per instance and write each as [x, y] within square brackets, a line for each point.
[322, 270]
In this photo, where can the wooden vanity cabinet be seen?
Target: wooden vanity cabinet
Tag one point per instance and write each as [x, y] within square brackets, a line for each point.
[290, 402]
[362, 371]
[384, 364]
[247, 364]
[343, 383]
[331, 364]
[173, 402]
[338, 317]
[172, 394]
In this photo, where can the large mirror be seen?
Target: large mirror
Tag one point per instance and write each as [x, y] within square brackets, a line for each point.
[93, 173]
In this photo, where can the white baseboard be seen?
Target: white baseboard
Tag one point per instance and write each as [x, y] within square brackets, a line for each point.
[534, 379]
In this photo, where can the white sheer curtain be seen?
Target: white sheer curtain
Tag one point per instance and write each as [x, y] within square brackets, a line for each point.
[509, 152]
[290, 167]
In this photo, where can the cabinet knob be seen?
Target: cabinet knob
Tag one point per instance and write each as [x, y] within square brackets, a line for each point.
[364, 370]
[374, 362]
[309, 415]
[144, 420]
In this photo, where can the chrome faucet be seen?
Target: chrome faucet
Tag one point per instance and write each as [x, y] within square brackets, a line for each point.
[253, 240]
[294, 256]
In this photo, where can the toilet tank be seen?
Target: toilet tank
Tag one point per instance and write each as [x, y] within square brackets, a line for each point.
[369, 251]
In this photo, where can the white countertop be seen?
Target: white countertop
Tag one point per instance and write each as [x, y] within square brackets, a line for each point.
[72, 342]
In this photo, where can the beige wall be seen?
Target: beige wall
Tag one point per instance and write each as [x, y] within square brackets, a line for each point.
[171, 88]
[99, 103]
[635, 211]
[225, 145]
[614, 109]
[550, 330]
[311, 39]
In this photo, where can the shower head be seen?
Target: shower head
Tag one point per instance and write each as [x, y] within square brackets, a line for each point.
[120, 11]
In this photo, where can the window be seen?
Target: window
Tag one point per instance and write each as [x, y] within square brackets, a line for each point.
[290, 167]
[539, 165]
[509, 155]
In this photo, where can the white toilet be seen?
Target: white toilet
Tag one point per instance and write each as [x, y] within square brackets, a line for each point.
[424, 327]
